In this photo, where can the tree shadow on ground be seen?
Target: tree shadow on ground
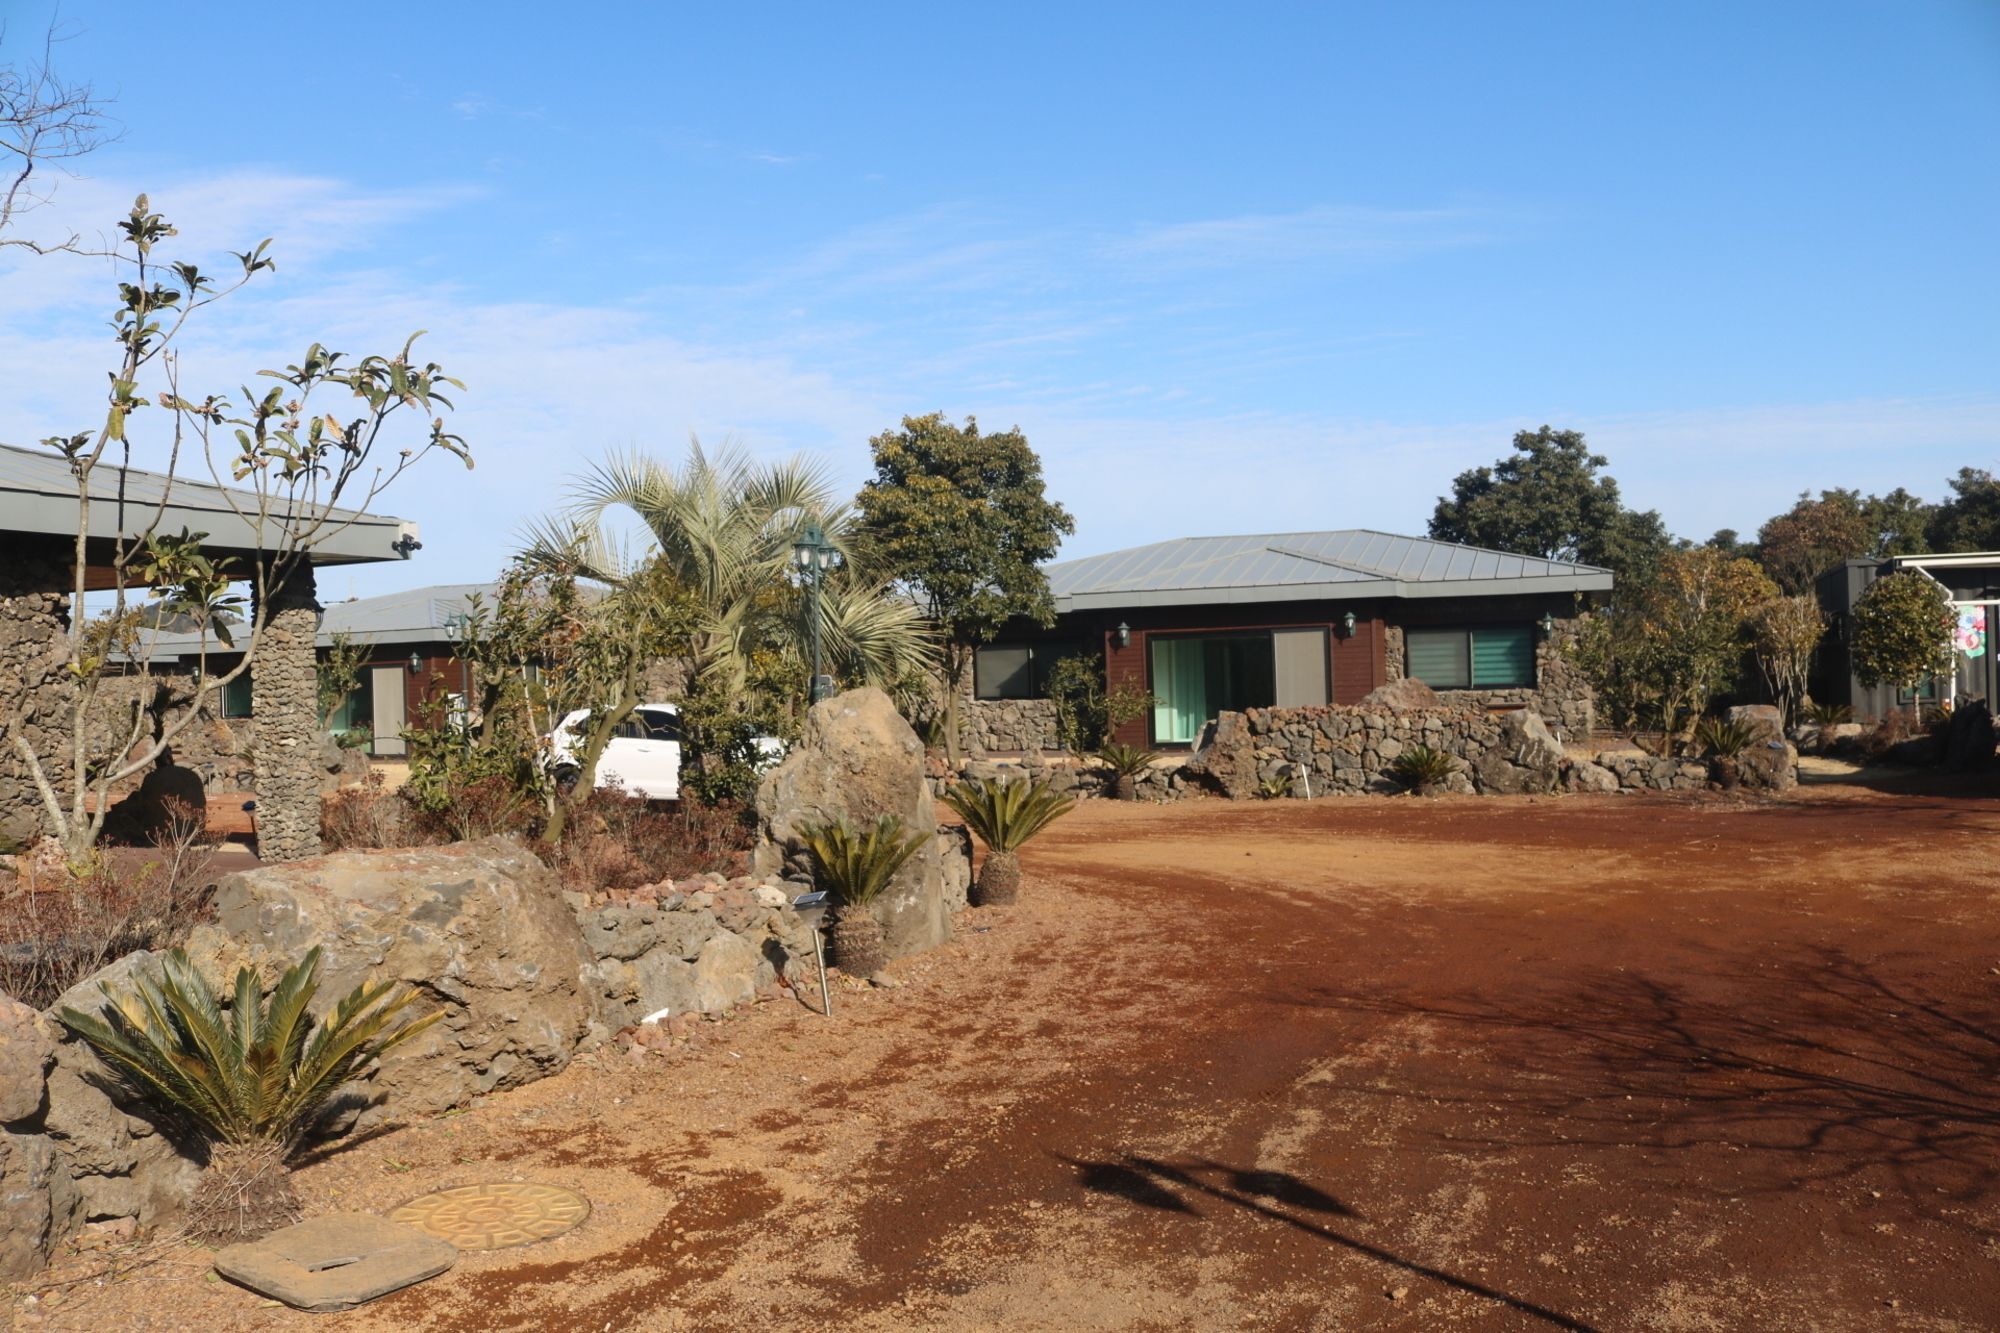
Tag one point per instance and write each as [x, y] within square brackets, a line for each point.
[1812, 1069]
[1276, 1196]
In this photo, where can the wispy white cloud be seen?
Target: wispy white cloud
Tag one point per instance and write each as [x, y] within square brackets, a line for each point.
[1323, 232]
[936, 310]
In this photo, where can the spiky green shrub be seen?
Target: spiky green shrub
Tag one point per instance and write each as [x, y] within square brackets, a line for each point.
[1127, 763]
[1127, 760]
[253, 1081]
[1826, 715]
[1422, 769]
[1723, 738]
[1275, 787]
[854, 865]
[1005, 815]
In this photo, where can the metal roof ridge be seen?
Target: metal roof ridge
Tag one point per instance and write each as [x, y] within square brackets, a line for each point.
[1368, 570]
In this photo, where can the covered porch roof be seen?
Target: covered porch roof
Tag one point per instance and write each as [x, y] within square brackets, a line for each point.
[38, 497]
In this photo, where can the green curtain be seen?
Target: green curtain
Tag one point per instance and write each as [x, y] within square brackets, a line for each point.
[1180, 684]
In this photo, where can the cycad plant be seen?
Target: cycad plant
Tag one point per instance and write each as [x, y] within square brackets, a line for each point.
[1423, 770]
[1127, 763]
[1724, 740]
[1005, 815]
[252, 1082]
[855, 867]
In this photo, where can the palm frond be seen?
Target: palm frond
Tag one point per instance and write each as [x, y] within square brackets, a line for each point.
[253, 1075]
[1006, 814]
[857, 866]
[1127, 760]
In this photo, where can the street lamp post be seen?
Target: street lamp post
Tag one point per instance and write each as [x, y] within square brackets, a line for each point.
[813, 555]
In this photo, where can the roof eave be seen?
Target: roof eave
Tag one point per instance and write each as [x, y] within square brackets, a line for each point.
[364, 539]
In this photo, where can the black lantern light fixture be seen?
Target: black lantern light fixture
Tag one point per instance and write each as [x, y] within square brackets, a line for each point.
[1122, 636]
[814, 557]
[416, 662]
[1347, 624]
[1548, 623]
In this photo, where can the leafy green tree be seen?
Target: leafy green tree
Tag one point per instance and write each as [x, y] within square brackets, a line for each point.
[1548, 499]
[1970, 519]
[962, 520]
[1730, 543]
[1897, 523]
[1813, 536]
[1673, 639]
[1902, 631]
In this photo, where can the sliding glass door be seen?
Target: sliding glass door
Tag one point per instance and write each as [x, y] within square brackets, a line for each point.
[1198, 676]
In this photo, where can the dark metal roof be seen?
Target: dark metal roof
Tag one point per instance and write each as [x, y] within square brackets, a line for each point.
[38, 495]
[1299, 566]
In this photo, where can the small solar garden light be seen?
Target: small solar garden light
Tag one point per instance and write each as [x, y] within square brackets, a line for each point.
[811, 908]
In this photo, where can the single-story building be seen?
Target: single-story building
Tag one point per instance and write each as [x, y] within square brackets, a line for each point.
[408, 643]
[39, 513]
[1972, 578]
[1213, 624]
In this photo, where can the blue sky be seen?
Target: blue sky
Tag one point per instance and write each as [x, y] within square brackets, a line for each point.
[1232, 268]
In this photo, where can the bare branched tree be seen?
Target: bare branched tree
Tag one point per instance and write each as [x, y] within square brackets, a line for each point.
[294, 474]
[44, 119]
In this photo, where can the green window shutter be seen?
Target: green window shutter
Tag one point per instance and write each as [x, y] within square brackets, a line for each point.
[1437, 657]
[1503, 657]
[236, 697]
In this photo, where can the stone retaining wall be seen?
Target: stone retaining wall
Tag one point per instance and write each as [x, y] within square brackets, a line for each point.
[1331, 751]
[1008, 725]
[36, 694]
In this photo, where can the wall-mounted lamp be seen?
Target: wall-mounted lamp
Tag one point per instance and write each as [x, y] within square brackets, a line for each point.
[1122, 636]
[416, 663]
[1548, 622]
[1347, 624]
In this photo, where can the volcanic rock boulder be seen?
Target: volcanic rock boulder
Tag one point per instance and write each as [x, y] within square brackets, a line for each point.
[39, 1202]
[1400, 696]
[125, 1158]
[479, 930]
[1226, 757]
[1969, 741]
[1525, 759]
[1772, 762]
[858, 758]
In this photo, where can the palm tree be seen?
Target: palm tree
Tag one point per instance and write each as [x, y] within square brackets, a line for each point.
[724, 525]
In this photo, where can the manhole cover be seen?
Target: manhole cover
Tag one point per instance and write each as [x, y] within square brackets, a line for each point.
[495, 1217]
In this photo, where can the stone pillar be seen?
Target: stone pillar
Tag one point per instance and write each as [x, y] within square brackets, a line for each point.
[284, 701]
[1394, 655]
[37, 695]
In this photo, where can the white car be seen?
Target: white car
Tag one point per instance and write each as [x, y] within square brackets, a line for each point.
[643, 756]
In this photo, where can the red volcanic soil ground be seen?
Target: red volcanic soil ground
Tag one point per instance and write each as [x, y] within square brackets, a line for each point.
[1577, 1063]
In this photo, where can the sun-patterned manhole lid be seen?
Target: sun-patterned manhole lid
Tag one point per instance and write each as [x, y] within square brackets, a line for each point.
[497, 1216]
